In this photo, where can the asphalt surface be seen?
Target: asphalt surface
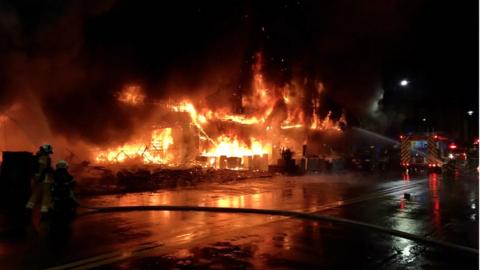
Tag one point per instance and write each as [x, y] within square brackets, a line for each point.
[442, 209]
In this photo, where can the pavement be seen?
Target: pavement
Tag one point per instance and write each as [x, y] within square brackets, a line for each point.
[438, 208]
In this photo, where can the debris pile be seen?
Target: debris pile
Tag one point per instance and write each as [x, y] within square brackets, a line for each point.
[102, 180]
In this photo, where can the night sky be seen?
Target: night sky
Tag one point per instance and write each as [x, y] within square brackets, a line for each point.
[74, 56]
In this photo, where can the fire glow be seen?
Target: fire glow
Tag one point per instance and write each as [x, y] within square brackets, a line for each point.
[218, 134]
[131, 95]
[156, 152]
[232, 147]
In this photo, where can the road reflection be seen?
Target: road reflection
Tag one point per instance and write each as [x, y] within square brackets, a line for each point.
[433, 185]
[117, 231]
[288, 193]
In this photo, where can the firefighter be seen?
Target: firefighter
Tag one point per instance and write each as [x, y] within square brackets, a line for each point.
[63, 199]
[448, 169]
[42, 180]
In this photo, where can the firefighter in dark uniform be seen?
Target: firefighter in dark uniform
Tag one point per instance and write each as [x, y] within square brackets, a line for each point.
[42, 180]
[448, 169]
[63, 199]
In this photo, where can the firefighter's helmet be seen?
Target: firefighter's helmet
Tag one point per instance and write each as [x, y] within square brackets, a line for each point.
[47, 148]
[62, 164]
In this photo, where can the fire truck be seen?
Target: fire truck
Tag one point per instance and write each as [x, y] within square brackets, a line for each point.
[425, 150]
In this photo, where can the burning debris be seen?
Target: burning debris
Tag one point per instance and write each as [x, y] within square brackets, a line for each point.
[157, 151]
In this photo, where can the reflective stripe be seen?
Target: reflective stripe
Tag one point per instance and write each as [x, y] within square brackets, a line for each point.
[29, 205]
[432, 153]
[405, 150]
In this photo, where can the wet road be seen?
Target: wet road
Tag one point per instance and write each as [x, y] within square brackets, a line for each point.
[444, 209]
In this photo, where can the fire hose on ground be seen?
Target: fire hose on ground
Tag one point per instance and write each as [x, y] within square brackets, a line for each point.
[285, 213]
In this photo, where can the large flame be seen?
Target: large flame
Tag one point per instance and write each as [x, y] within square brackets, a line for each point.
[213, 128]
[233, 147]
[155, 151]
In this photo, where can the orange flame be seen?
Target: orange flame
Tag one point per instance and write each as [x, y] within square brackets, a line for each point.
[232, 147]
[131, 95]
[258, 109]
[154, 152]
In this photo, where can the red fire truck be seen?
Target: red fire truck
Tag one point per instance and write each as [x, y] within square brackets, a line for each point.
[425, 150]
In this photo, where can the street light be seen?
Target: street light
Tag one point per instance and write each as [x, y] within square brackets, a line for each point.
[470, 113]
[424, 119]
[404, 82]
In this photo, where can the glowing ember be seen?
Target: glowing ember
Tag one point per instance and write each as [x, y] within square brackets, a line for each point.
[131, 95]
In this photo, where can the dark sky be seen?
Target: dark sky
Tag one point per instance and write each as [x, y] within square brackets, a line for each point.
[74, 55]
[440, 56]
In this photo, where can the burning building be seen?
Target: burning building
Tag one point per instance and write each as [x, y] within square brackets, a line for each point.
[186, 132]
[119, 82]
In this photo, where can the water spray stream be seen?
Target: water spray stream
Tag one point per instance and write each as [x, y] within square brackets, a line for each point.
[22, 128]
[377, 135]
[385, 138]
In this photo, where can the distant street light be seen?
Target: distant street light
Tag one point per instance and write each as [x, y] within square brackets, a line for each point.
[424, 119]
[404, 82]
[470, 113]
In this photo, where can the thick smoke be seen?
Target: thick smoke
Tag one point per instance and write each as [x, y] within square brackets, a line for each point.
[75, 56]
[71, 58]
[341, 43]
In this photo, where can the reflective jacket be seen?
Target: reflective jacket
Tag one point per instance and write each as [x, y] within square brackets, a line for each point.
[43, 170]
